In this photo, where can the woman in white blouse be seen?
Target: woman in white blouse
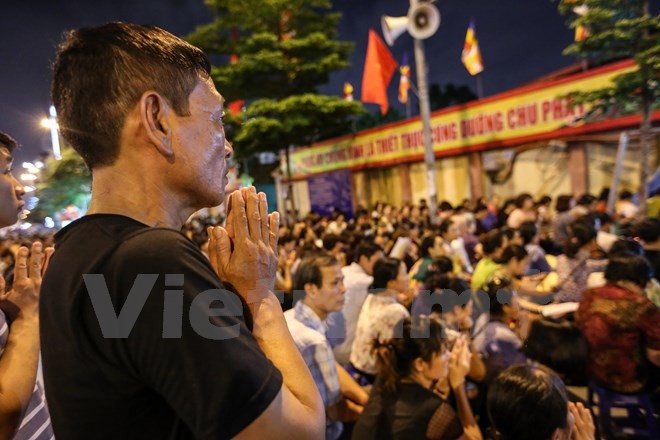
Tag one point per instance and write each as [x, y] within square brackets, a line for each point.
[379, 315]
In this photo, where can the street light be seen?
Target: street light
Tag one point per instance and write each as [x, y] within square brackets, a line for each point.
[51, 124]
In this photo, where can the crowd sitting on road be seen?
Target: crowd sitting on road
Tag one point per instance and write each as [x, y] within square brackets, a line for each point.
[387, 323]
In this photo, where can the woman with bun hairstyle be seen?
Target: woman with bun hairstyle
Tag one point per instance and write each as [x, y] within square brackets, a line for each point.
[404, 402]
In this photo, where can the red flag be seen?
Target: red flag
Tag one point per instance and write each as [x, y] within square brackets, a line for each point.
[235, 107]
[379, 66]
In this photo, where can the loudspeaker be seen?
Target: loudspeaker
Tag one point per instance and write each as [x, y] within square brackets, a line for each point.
[393, 27]
[423, 21]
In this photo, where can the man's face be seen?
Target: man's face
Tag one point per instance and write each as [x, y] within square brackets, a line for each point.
[11, 192]
[330, 296]
[201, 149]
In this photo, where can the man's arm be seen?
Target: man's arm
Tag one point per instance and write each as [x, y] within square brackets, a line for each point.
[19, 361]
[350, 389]
[249, 267]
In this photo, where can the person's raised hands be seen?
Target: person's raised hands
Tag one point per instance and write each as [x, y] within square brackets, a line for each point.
[459, 362]
[584, 428]
[23, 299]
[244, 254]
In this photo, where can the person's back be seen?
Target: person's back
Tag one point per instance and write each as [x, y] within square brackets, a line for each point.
[133, 387]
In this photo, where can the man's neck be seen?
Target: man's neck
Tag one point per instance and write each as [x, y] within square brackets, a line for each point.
[322, 314]
[144, 200]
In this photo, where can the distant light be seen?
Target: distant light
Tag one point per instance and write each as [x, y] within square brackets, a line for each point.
[49, 223]
[39, 164]
[28, 177]
[28, 188]
[26, 225]
[54, 133]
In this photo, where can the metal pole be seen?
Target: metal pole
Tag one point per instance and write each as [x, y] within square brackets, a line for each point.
[618, 167]
[425, 113]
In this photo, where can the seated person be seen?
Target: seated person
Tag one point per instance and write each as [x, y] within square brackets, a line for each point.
[621, 327]
[403, 404]
[559, 345]
[499, 342]
[381, 311]
[321, 280]
[528, 401]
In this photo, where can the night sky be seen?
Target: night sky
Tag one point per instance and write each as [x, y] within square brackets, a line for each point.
[520, 41]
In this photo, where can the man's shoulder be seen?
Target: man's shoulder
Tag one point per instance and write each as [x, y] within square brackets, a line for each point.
[303, 335]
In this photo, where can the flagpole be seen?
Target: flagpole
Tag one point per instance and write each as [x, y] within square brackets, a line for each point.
[480, 87]
[425, 113]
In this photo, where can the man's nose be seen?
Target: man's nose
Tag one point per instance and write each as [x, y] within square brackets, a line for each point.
[229, 150]
[18, 188]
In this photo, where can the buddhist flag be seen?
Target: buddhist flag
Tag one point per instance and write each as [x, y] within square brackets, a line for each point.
[404, 82]
[379, 67]
[348, 91]
[581, 31]
[471, 55]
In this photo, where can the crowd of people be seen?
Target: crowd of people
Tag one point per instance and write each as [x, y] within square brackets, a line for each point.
[391, 324]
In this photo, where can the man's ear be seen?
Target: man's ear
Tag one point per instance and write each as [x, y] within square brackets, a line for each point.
[311, 290]
[154, 116]
[418, 364]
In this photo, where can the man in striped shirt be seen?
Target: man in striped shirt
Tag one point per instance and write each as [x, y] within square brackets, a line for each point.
[23, 410]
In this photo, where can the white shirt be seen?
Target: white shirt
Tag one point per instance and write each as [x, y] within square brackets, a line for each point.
[356, 282]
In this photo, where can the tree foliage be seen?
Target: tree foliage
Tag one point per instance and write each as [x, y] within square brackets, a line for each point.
[65, 182]
[618, 29]
[285, 49]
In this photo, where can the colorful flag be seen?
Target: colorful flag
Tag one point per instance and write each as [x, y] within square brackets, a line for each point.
[379, 67]
[404, 82]
[348, 91]
[471, 55]
[235, 107]
[581, 31]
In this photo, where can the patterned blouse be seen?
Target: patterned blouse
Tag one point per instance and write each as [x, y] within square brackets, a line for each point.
[619, 326]
[378, 318]
[573, 273]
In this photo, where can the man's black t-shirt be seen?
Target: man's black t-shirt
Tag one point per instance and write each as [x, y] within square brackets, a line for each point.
[159, 382]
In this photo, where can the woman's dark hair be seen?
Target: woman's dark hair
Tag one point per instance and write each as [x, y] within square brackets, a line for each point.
[385, 270]
[581, 232]
[527, 232]
[451, 295]
[633, 268]
[648, 229]
[442, 264]
[513, 251]
[427, 243]
[520, 200]
[416, 337]
[563, 203]
[527, 401]
[492, 241]
[500, 293]
[561, 346]
[625, 246]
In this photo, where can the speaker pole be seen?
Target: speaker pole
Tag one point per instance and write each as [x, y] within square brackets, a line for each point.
[425, 114]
